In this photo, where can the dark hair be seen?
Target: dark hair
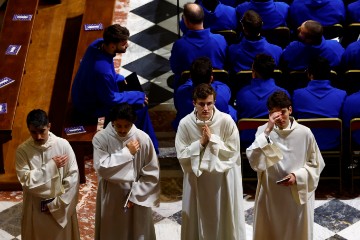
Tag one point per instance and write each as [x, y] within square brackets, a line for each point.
[278, 99]
[251, 23]
[320, 68]
[115, 34]
[201, 71]
[202, 91]
[264, 66]
[38, 118]
[193, 13]
[122, 111]
[314, 32]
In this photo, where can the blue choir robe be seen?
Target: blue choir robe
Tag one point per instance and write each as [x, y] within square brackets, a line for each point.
[353, 12]
[251, 103]
[195, 44]
[326, 12]
[297, 55]
[222, 18]
[273, 14]
[242, 55]
[351, 110]
[232, 3]
[184, 103]
[95, 90]
[320, 99]
[351, 57]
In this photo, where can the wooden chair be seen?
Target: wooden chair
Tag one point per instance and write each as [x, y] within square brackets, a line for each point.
[351, 81]
[243, 78]
[230, 36]
[333, 31]
[354, 150]
[299, 79]
[351, 34]
[248, 124]
[218, 74]
[279, 36]
[337, 153]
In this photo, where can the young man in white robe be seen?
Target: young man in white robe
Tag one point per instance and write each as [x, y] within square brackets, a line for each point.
[128, 179]
[284, 150]
[208, 148]
[47, 170]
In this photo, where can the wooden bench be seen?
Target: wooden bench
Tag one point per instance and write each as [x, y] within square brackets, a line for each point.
[60, 109]
[13, 66]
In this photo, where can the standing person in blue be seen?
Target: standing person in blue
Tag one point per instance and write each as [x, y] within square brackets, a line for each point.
[95, 87]
[273, 13]
[351, 57]
[201, 72]
[251, 99]
[196, 42]
[311, 44]
[241, 55]
[327, 12]
[353, 12]
[320, 99]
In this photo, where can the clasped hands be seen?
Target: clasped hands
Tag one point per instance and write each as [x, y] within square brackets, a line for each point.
[206, 134]
[133, 146]
[61, 160]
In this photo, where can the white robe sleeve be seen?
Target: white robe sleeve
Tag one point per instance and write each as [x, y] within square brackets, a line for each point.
[307, 178]
[145, 191]
[114, 166]
[262, 154]
[63, 206]
[219, 154]
[44, 182]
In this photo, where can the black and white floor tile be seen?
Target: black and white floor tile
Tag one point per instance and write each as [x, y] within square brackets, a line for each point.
[153, 28]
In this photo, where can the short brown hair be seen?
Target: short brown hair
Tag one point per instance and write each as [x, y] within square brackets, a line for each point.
[202, 91]
[115, 34]
[278, 99]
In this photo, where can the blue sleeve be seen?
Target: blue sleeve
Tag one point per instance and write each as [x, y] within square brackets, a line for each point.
[108, 93]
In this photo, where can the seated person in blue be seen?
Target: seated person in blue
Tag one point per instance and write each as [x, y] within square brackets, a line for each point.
[311, 44]
[218, 16]
[95, 88]
[241, 55]
[251, 99]
[351, 57]
[351, 110]
[201, 72]
[274, 14]
[320, 100]
[196, 42]
[353, 12]
[326, 12]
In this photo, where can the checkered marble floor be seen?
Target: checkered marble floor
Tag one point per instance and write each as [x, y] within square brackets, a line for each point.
[336, 216]
[153, 28]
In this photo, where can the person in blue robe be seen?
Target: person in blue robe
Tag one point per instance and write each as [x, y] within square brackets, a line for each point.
[196, 42]
[274, 14]
[320, 100]
[95, 88]
[251, 99]
[327, 12]
[351, 57]
[353, 12]
[311, 43]
[351, 109]
[201, 72]
[218, 16]
[242, 55]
